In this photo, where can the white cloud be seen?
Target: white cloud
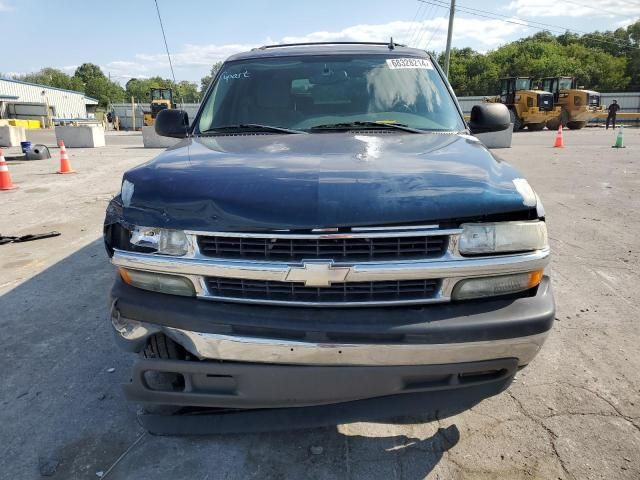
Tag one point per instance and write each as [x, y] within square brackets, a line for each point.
[5, 7]
[193, 61]
[429, 34]
[626, 22]
[190, 58]
[579, 8]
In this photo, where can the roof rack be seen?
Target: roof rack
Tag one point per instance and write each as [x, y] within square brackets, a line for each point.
[390, 44]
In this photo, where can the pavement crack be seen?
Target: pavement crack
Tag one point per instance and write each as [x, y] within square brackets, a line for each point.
[615, 408]
[124, 454]
[580, 414]
[550, 433]
[495, 419]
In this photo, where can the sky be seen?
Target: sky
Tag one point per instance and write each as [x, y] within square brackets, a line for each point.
[125, 39]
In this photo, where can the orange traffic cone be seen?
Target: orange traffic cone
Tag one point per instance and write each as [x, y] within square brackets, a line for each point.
[559, 139]
[5, 176]
[65, 165]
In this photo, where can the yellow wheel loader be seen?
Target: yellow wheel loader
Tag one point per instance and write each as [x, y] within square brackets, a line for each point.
[161, 98]
[578, 105]
[528, 107]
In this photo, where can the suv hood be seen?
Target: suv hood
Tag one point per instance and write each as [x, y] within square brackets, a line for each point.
[265, 182]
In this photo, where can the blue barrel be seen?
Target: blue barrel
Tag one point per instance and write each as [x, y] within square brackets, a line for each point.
[26, 146]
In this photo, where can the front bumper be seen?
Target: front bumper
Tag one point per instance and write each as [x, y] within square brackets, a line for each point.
[535, 115]
[434, 334]
[423, 394]
[257, 357]
[261, 385]
[585, 114]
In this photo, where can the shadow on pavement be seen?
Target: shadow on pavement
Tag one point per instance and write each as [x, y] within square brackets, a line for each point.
[63, 415]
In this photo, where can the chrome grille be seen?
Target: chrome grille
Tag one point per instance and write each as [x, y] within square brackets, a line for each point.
[340, 249]
[348, 292]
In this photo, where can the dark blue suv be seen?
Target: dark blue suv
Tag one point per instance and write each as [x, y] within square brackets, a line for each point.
[327, 243]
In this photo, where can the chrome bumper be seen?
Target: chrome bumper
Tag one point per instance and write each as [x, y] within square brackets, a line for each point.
[208, 346]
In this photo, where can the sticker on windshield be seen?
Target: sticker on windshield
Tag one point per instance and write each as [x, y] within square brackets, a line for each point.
[397, 63]
[235, 76]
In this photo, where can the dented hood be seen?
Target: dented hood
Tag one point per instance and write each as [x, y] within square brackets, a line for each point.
[262, 182]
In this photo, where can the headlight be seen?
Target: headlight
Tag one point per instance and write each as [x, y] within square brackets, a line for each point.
[158, 282]
[494, 286]
[167, 242]
[501, 237]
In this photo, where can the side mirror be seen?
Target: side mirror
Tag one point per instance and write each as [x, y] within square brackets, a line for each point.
[172, 123]
[489, 117]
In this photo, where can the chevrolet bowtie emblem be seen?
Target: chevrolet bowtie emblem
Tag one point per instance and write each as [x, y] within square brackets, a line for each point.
[317, 274]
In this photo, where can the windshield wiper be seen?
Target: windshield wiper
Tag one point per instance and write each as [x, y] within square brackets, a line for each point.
[252, 127]
[366, 124]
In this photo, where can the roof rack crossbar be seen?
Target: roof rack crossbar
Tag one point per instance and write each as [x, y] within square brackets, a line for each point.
[264, 47]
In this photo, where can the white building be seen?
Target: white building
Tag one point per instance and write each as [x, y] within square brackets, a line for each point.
[22, 100]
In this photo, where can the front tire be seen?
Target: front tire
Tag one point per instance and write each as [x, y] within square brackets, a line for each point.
[553, 124]
[162, 347]
[517, 123]
[576, 125]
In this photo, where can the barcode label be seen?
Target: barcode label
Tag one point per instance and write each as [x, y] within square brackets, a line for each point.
[397, 63]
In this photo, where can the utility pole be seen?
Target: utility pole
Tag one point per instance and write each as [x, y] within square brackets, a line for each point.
[447, 54]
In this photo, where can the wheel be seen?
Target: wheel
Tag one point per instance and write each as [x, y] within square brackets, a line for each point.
[162, 347]
[535, 127]
[564, 118]
[576, 125]
[517, 123]
[553, 124]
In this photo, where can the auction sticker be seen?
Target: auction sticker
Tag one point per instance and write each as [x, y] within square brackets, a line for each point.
[397, 63]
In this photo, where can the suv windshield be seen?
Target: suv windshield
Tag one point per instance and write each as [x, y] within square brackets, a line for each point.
[301, 93]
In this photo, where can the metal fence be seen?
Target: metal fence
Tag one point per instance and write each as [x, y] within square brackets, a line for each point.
[124, 112]
[467, 103]
[628, 101]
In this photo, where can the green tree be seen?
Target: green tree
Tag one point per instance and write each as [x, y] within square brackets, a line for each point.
[206, 80]
[97, 85]
[52, 77]
[88, 71]
[471, 73]
[633, 64]
[104, 90]
[605, 61]
[140, 88]
[187, 92]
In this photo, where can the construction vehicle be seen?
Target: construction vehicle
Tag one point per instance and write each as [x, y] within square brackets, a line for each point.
[528, 107]
[161, 98]
[579, 106]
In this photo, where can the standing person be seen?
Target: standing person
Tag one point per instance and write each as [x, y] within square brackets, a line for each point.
[109, 118]
[613, 110]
